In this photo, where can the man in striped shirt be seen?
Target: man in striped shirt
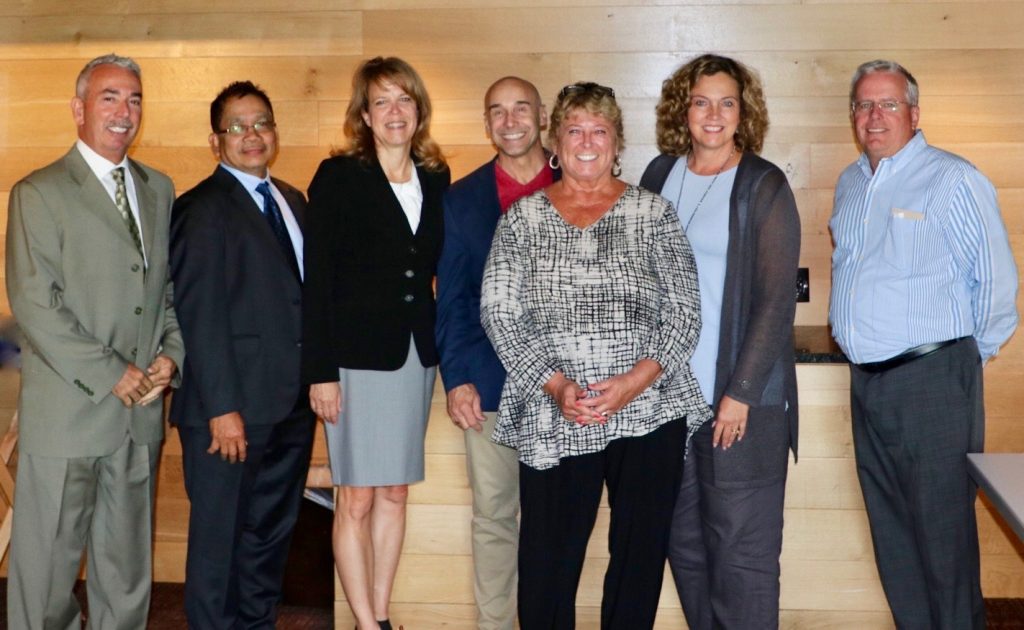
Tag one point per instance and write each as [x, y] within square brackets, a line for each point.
[923, 293]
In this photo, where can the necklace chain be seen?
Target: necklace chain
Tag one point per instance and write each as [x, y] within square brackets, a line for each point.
[679, 198]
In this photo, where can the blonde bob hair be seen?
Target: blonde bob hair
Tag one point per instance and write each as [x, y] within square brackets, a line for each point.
[672, 129]
[360, 137]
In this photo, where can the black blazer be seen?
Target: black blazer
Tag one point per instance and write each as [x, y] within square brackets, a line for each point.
[239, 305]
[369, 279]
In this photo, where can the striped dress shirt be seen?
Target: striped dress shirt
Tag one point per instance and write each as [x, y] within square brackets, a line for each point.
[921, 255]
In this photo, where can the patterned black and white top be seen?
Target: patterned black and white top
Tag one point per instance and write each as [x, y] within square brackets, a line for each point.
[590, 302]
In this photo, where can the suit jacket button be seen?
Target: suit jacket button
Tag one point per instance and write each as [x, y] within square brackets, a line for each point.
[413, 250]
[138, 310]
[135, 267]
[135, 351]
[744, 384]
[409, 273]
[408, 297]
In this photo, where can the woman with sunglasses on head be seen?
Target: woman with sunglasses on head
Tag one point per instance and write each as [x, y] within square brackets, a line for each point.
[373, 239]
[590, 299]
[740, 216]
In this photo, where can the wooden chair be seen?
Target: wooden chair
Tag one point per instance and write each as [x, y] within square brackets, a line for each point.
[8, 444]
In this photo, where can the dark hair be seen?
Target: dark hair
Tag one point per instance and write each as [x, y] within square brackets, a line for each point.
[672, 130]
[238, 89]
[360, 136]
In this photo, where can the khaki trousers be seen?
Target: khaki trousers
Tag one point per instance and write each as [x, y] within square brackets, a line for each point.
[494, 479]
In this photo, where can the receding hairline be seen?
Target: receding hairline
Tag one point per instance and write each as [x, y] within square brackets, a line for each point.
[111, 59]
[530, 88]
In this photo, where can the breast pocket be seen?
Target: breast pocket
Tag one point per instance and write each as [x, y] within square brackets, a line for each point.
[900, 237]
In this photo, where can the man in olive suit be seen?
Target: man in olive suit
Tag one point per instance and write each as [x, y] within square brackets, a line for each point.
[87, 279]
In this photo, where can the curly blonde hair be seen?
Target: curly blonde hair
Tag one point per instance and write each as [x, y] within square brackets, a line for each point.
[359, 134]
[672, 129]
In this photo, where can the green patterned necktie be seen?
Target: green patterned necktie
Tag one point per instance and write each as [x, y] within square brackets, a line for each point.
[125, 208]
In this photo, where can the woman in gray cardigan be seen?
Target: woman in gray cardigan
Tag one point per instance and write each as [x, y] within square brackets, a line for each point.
[741, 219]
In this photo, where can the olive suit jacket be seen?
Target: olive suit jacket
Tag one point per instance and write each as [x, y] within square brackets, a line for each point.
[87, 306]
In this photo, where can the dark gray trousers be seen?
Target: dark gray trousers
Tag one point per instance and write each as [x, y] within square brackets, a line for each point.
[724, 548]
[912, 429]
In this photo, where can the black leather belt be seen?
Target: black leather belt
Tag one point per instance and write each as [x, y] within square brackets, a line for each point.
[906, 357]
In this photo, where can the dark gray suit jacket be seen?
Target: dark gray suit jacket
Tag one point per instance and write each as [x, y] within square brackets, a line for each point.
[239, 302]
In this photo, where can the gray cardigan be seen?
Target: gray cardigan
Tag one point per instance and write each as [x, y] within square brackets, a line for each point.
[755, 350]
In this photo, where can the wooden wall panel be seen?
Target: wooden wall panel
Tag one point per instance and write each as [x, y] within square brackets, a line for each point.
[967, 55]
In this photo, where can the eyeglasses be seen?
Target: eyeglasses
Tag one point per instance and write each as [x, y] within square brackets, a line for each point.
[238, 129]
[865, 107]
[589, 86]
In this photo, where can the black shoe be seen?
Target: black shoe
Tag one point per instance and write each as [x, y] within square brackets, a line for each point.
[385, 624]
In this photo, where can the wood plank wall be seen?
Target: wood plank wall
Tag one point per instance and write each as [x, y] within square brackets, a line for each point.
[966, 54]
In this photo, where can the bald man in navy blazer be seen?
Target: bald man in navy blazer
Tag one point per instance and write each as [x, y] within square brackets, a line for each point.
[245, 424]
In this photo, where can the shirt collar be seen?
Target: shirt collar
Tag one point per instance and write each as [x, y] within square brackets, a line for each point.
[250, 182]
[896, 162]
[98, 164]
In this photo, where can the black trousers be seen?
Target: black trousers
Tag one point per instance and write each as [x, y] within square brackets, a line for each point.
[558, 510]
[241, 521]
[912, 429]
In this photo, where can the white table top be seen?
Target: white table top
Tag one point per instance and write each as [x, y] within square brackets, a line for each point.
[1001, 476]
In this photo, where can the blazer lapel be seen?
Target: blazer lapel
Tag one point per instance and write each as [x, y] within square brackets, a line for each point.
[397, 214]
[95, 198]
[147, 205]
[252, 214]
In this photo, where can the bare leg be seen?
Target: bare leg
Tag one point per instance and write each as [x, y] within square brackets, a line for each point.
[354, 550]
[388, 536]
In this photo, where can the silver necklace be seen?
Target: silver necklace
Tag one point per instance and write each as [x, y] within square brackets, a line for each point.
[679, 197]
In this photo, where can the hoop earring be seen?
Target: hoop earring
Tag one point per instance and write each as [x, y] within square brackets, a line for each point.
[553, 162]
[616, 167]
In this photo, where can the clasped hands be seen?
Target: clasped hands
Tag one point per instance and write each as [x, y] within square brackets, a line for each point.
[141, 388]
[598, 401]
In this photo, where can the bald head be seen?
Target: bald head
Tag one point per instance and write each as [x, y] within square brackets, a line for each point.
[514, 117]
[523, 84]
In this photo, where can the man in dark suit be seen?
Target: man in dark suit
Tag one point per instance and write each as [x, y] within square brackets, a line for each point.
[87, 281]
[245, 424]
[473, 376]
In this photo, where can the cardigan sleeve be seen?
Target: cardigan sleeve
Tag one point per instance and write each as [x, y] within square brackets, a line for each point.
[776, 246]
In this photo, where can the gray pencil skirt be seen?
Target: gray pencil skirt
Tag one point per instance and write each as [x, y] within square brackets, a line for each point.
[378, 439]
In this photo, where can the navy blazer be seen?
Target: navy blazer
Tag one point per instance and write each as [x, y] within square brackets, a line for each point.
[471, 214]
[238, 300]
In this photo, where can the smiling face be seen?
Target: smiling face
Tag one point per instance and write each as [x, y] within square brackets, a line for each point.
[880, 133]
[514, 117]
[714, 112]
[391, 116]
[587, 145]
[109, 113]
[253, 150]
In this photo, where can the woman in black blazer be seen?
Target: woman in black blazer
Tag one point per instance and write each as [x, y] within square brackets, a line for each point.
[373, 240]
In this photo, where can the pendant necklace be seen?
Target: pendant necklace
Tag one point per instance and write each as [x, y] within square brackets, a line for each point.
[679, 198]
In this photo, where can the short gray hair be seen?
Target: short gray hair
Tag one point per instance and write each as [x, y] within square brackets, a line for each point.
[113, 60]
[885, 65]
